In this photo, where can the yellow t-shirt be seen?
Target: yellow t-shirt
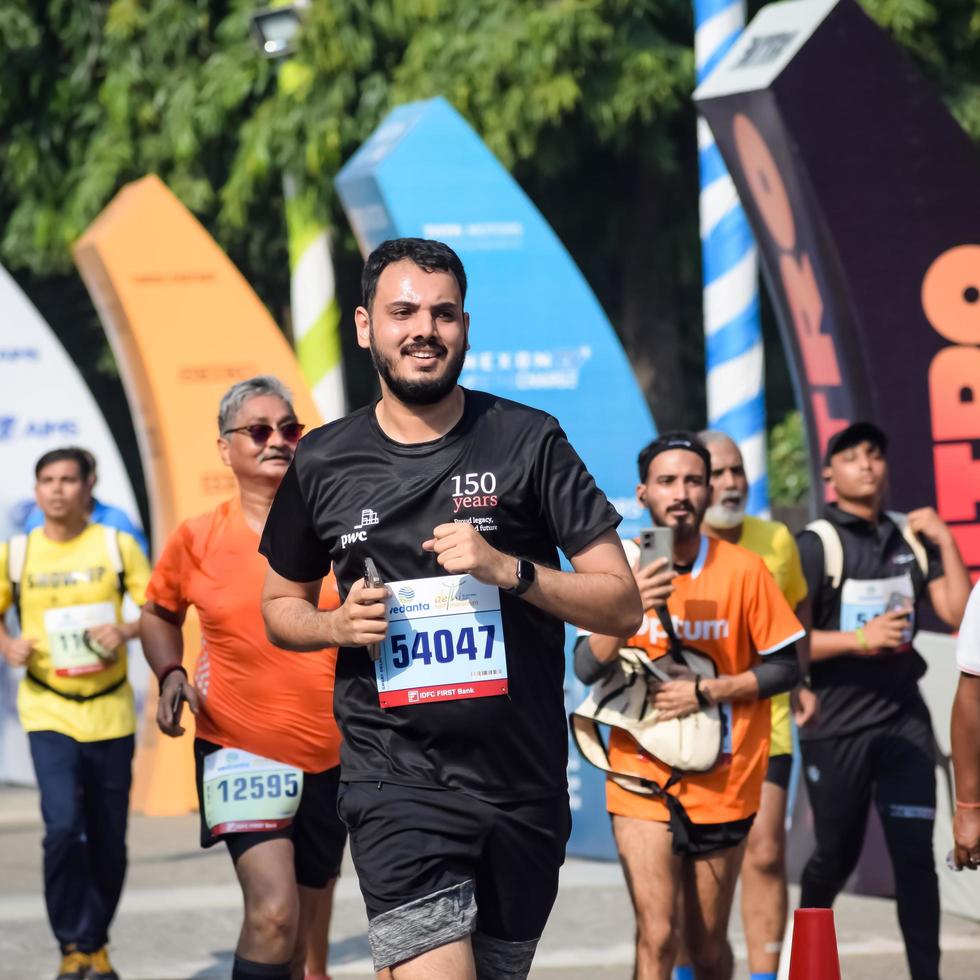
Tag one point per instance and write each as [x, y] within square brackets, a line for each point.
[71, 575]
[774, 544]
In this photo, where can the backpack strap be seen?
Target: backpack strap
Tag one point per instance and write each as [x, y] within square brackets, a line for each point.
[833, 550]
[674, 644]
[16, 560]
[901, 521]
[115, 557]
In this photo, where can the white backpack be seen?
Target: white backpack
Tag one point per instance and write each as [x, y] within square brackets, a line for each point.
[833, 548]
[17, 559]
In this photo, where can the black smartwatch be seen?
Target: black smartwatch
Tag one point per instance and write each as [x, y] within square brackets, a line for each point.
[525, 577]
[703, 700]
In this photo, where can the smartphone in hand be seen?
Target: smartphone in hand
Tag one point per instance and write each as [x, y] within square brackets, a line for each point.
[902, 604]
[373, 581]
[657, 542]
[177, 704]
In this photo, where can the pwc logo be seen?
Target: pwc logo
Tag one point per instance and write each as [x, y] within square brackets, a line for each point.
[800, 286]
[369, 518]
[951, 303]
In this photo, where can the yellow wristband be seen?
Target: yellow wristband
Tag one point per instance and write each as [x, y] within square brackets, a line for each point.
[862, 639]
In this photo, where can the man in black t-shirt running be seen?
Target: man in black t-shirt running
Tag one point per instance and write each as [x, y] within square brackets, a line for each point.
[449, 678]
[867, 570]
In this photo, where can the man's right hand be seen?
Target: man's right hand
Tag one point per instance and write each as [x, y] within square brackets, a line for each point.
[656, 585]
[167, 717]
[362, 620]
[17, 650]
[966, 834]
[884, 632]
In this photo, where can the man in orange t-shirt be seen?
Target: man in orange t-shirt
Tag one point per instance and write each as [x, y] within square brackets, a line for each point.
[724, 603]
[267, 746]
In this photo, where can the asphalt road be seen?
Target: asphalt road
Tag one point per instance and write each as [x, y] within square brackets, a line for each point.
[181, 911]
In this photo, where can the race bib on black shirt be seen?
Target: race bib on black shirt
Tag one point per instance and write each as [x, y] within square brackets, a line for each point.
[353, 493]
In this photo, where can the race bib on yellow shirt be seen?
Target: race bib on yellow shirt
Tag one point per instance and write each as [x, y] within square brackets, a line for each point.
[72, 653]
[445, 642]
[245, 792]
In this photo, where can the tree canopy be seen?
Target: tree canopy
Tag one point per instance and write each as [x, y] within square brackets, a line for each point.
[587, 101]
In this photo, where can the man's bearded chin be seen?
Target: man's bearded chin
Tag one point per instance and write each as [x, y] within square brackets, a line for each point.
[424, 391]
[682, 532]
[723, 518]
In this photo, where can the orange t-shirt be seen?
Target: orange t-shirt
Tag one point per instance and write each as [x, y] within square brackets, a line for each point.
[730, 608]
[256, 696]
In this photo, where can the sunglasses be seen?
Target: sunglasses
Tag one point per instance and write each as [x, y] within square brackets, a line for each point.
[260, 432]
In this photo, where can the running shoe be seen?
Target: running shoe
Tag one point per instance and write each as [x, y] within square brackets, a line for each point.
[100, 968]
[74, 965]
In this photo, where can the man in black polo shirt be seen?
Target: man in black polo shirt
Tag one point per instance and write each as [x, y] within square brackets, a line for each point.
[449, 677]
[867, 570]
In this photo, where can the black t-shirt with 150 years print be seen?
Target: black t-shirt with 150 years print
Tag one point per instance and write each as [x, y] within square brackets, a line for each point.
[353, 493]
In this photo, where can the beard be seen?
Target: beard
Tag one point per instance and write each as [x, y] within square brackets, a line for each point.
[421, 391]
[683, 531]
[724, 518]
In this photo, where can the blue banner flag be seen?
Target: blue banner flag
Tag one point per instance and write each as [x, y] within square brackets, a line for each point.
[538, 334]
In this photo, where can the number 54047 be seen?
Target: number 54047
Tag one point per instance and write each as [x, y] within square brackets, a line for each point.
[442, 646]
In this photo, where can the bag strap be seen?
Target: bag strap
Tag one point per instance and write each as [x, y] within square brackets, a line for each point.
[16, 560]
[588, 739]
[901, 521]
[833, 550]
[79, 698]
[115, 557]
[673, 643]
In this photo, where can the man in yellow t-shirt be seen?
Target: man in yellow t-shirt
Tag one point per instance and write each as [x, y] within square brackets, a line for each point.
[765, 898]
[67, 580]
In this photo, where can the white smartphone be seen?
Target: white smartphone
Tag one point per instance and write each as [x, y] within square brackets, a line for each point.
[657, 542]
[373, 581]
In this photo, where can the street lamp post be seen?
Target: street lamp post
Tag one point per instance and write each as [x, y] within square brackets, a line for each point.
[315, 313]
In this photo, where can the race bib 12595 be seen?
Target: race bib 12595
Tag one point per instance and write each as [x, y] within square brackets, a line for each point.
[245, 792]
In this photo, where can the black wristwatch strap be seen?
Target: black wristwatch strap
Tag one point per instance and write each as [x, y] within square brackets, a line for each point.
[699, 694]
[525, 577]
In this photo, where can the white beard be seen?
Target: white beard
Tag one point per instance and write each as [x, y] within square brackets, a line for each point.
[722, 518]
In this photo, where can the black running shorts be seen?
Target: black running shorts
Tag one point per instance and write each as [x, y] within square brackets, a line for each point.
[709, 838]
[435, 865]
[317, 833]
[779, 770]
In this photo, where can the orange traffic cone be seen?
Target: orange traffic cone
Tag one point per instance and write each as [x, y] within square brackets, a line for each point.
[814, 952]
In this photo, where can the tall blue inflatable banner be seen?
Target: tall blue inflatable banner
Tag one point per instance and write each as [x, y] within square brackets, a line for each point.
[538, 334]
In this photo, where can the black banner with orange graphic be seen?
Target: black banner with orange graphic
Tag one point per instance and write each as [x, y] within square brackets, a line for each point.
[864, 195]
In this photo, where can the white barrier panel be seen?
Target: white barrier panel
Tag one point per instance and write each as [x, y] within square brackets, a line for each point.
[44, 404]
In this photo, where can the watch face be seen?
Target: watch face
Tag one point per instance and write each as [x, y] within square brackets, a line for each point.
[525, 576]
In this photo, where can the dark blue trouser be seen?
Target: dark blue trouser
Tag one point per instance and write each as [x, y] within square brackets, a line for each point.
[894, 764]
[85, 803]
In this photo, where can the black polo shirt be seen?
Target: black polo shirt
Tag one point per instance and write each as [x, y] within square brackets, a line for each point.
[859, 691]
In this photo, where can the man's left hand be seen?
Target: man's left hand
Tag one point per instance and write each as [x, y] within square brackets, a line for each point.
[929, 524]
[461, 550]
[108, 638]
[806, 706]
[674, 699]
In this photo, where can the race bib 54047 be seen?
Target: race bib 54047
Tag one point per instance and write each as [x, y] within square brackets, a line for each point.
[445, 642]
